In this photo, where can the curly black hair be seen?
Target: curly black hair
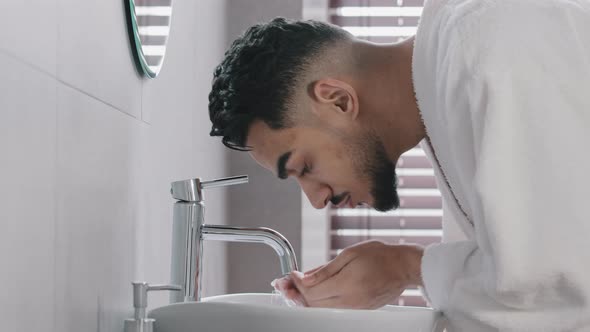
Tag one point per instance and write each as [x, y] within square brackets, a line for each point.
[260, 72]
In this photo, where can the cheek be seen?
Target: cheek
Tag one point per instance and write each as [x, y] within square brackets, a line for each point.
[347, 176]
[341, 165]
[337, 164]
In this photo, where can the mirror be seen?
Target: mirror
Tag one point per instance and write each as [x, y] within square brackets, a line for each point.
[149, 27]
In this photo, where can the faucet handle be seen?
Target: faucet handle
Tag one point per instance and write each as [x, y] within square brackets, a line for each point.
[140, 322]
[223, 182]
[190, 190]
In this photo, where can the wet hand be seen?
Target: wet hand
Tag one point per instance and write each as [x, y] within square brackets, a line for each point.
[367, 275]
[287, 288]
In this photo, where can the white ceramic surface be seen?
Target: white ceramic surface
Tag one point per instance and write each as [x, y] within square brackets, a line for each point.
[257, 312]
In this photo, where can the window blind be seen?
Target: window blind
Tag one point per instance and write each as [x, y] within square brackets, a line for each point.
[419, 218]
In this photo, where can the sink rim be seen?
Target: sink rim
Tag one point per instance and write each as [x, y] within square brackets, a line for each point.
[227, 298]
[227, 304]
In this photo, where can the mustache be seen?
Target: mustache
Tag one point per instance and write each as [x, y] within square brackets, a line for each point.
[339, 198]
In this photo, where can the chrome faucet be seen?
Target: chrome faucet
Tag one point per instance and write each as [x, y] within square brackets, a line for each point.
[189, 231]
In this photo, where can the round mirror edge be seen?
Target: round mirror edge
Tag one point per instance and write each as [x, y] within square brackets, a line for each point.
[133, 32]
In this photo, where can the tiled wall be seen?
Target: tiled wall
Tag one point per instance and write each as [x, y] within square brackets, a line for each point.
[88, 149]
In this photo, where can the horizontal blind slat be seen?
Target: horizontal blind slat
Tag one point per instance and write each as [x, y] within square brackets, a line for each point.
[405, 232]
[374, 21]
[426, 182]
[367, 212]
[341, 242]
[420, 202]
[375, 3]
[414, 162]
[421, 222]
[380, 31]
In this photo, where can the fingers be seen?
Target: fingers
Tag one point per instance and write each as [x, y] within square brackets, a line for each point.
[300, 291]
[285, 282]
[288, 290]
[325, 272]
[326, 289]
[294, 295]
[282, 283]
[298, 283]
[299, 287]
[313, 270]
[323, 295]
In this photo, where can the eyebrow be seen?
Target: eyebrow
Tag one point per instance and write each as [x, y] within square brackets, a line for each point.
[281, 165]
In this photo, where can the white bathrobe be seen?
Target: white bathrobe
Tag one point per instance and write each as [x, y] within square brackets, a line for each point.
[503, 87]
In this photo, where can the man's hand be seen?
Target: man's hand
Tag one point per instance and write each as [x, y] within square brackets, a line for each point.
[367, 275]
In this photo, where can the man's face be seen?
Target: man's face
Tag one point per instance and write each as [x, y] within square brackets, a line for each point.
[345, 169]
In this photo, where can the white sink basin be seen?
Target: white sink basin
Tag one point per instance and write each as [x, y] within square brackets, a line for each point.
[258, 312]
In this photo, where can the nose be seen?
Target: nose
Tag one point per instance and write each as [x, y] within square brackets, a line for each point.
[318, 194]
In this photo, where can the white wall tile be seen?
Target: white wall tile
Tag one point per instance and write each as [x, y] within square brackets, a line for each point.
[97, 162]
[103, 171]
[28, 30]
[27, 185]
[94, 53]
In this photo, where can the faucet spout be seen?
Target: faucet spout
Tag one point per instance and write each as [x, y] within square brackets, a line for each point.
[189, 231]
[264, 235]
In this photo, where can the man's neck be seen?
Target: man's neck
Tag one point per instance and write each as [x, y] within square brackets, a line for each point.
[389, 93]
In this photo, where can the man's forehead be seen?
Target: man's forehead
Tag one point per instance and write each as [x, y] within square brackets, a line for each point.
[268, 144]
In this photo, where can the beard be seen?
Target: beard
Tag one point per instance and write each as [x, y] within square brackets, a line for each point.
[371, 162]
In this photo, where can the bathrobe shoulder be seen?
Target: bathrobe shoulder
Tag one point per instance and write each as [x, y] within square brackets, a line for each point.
[503, 89]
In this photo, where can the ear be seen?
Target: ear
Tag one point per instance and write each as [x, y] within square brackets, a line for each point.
[336, 95]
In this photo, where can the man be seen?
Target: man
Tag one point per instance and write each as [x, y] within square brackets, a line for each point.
[498, 94]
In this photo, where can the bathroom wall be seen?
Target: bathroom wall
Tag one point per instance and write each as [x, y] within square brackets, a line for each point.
[265, 201]
[88, 149]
